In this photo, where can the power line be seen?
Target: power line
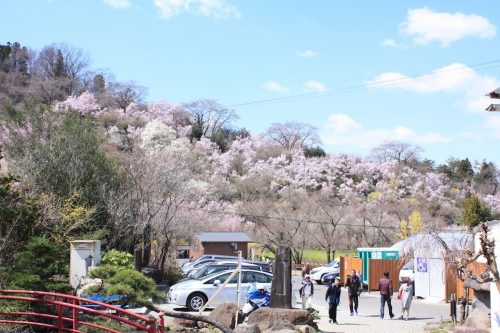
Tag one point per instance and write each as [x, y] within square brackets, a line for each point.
[256, 216]
[478, 66]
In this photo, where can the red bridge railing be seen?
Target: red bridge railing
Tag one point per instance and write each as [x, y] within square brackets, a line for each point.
[62, 323]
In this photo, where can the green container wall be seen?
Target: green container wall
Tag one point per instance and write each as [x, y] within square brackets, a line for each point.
[375, 253]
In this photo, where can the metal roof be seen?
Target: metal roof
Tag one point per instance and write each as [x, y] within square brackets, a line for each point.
[223, 237]
[494, 94]
[428, 244]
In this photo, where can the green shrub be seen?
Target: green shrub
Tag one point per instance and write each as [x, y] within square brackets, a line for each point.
[121, 260]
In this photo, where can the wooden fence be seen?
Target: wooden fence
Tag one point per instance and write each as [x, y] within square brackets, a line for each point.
[455, 285]
[347, 264]
[377, 269]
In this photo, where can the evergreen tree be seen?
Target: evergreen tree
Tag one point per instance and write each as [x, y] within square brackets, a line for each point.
[474, 212]
[59, 66]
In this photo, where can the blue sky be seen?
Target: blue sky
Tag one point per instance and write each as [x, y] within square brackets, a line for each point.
[244, 51]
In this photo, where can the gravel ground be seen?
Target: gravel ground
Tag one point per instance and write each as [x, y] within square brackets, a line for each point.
[368, 320]
[369, 311]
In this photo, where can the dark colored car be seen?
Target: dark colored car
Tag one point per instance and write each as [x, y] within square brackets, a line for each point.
[329, 278]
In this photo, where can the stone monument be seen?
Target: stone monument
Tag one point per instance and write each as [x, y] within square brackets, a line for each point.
[281, 291]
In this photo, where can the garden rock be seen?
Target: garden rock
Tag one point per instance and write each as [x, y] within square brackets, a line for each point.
[246, 328]
[184, 323]
[268, 319]
[226, 314]
[305, 329]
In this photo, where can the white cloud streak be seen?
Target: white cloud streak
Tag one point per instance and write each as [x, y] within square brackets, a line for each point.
[118, 4]
[274, 86]
[425, 26]
[216, 9]
[341, 129]
[307, 54]
[455, 78]
[315, 86]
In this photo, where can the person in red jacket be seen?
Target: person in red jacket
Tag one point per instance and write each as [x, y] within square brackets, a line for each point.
[386, 291]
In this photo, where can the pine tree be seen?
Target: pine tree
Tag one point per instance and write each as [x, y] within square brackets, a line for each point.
[474, 212]
[59, 67]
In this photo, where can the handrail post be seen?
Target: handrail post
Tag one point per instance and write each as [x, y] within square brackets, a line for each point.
[161, 323]
[59, 319]
[75, 315]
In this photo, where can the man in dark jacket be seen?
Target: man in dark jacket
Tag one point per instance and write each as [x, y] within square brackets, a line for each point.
[353, 285]
[333, 298]
[385, 287]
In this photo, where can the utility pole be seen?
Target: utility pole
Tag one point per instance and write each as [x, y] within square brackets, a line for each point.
[238, 291]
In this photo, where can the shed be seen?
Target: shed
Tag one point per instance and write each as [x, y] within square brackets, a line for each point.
[222, 243]
[430, 259]
[367, 253]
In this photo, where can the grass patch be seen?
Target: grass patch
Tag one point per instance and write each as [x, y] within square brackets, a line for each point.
[310, 255]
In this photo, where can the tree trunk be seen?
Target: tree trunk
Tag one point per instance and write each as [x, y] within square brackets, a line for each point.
[163, 258]
[146, 236]
[333, 254]
[206, 319]
[328, 254]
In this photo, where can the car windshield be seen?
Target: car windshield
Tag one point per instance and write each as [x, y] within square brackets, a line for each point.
[203, 262]
[332, 263]
[408, 265]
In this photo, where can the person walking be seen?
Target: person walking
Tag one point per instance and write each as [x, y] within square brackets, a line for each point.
[406, 295]
[385, 287]
[353, 285]
[333, 298]
[306, 292]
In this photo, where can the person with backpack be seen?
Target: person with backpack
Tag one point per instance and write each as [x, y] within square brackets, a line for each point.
[353, 286]
[405, 295]
[333, 298]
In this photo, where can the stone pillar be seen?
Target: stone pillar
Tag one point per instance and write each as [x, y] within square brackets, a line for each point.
[138, 259]
[281, 291]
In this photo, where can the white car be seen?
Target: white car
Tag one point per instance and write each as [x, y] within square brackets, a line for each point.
[407, 272]
[318, 272]
[195, 293]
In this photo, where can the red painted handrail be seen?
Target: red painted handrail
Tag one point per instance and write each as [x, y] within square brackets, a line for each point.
[72, 303]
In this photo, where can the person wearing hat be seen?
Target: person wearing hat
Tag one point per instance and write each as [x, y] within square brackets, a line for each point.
[306, 292]
[333, 298]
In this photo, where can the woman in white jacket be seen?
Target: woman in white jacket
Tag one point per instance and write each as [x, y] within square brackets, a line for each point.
[406, 292]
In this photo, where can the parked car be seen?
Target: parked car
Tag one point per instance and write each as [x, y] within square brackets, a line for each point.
[318, 272]
[407, 271]
[219, 266]
[194, 293]
[329, 278]
[208, 256]
[188, 269]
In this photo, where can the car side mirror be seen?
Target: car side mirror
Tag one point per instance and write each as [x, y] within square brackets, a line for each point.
[217, 283]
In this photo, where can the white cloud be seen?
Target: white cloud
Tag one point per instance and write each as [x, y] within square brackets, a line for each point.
[274, 86]
[217, 9]
[118, 4]
[315, 86]
[474, 136]
[424, 26]
[391, 42]
[455, 78]
[307, 54]
[341, 129]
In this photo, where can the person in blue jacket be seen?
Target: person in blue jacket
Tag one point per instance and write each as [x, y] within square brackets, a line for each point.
[333, 298]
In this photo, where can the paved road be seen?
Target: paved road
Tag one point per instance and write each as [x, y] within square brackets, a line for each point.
[369, 311]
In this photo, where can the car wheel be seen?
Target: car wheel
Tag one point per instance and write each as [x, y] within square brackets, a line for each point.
[196, 301]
